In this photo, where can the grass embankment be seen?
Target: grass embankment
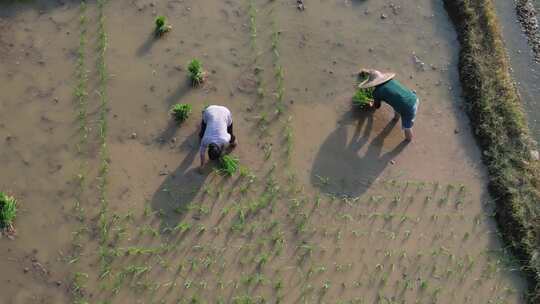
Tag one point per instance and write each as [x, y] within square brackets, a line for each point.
[501, 129]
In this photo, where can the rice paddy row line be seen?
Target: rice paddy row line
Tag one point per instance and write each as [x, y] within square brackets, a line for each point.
[278, 68]
[103, 221]
[81, 97]
[279, 76]
[253, 13]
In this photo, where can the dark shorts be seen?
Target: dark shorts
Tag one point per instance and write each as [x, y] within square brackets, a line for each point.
[407, 119]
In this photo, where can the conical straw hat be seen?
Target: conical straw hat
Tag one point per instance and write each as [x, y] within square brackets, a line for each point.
[375, 78]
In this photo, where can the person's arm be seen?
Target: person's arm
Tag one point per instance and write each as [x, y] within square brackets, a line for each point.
[202, 154]
[230, 131]
[375, 104]
[232, 141]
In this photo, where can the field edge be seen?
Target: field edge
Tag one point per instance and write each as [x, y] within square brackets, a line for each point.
[500, 127]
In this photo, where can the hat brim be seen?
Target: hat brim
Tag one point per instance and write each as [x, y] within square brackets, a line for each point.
[377, 81]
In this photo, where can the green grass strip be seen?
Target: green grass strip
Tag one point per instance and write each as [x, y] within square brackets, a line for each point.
[500, 126]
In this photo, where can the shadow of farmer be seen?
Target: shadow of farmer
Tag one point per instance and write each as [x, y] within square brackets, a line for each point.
[179, 189]
[147, 45]
[349, 161]
[180, 91]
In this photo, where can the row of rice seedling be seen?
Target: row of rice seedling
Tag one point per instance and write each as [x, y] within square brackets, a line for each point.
[106, 254]
[78, 283]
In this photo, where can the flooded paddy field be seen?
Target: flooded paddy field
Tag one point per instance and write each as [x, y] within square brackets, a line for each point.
[330, 206]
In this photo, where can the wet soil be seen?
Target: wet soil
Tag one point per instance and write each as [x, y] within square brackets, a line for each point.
[528, 18]
[350, 213]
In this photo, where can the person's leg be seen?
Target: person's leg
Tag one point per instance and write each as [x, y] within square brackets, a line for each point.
[408, 134]
[203, 129]
[396, 116]
[407, 122]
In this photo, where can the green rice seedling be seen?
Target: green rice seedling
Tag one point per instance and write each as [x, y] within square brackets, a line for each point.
[322, 180]
[8, 212]
[262, 259]
[180, 112]
[252, 12]
[384, 279]
[363, 98]
[288, 137]
[228, 165]
[201, 228]
[79, 281]
[182, 227]
[196, 72]
[267, 148]
[326, 285]
[161, 26]
[244, 172]
[147, 229]
[278, 241]
[396, 199]
[338, 235]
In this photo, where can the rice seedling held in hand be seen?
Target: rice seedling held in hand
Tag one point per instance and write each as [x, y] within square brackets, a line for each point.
[363, 98]
[196, 72]
[161, 26]
[180, 112]
[8, 212]
[228, 165]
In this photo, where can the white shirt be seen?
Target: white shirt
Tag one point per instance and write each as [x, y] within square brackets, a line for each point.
[217, 119]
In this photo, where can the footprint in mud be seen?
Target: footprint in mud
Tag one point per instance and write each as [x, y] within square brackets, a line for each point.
[347, 164]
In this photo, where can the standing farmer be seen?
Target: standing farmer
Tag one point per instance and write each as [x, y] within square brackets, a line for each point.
[216, 133]
[400, 98]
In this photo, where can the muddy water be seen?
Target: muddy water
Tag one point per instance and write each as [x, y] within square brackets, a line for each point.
[525, 70]
[353, 214]
[38, 156]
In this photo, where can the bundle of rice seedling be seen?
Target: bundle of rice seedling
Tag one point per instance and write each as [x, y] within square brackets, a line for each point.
[161, 26]
[196, 72]
[8, 211]
[228, 165]
[363, 97]
[180, 111]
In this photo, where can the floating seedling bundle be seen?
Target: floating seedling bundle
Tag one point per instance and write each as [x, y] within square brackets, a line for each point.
[180, 112]
[196, 72]
[161, 26]
[8, 211]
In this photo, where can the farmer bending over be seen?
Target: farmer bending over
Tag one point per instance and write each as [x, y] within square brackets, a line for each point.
[216, 132]
[400, 98]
